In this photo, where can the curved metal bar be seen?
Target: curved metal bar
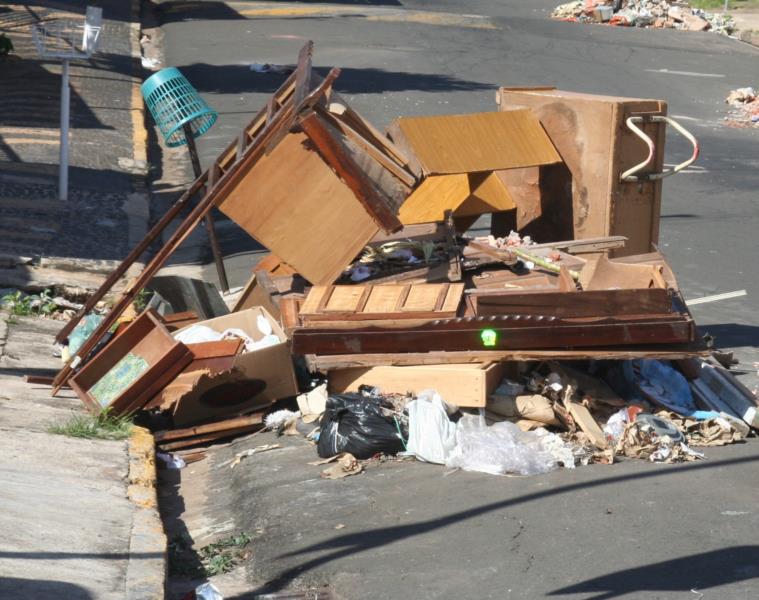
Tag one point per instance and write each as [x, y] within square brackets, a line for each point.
[630, 174]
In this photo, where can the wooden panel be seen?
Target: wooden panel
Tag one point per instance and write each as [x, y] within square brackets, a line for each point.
[579, 304]
[489, 194]
[476, 142]
[377, 302]
[435, 195]
[462, 384]
[344, 298]
[293, 203]
[382, 299]
[512, 333]
[422, 297]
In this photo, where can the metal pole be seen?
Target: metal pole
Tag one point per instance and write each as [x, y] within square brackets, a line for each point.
[215, 248]
[63, 163]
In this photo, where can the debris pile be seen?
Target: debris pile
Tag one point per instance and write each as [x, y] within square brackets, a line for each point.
[560, 339]
[744, 108]
[645, 13]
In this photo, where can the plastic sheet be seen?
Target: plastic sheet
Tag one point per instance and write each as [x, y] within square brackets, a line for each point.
[359, 425]
[501, 448]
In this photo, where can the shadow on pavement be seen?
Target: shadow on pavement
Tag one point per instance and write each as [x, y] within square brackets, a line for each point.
[40, 589]
[349, 544]
[235, 79]
[696, 572]
[732, 335]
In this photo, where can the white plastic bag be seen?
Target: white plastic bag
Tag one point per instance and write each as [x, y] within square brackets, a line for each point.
[431, 434]
[499, 449]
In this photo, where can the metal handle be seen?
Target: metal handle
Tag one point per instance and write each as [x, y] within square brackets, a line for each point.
[630, 174]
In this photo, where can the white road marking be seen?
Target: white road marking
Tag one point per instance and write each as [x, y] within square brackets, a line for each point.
[716, 297]
[689, 73]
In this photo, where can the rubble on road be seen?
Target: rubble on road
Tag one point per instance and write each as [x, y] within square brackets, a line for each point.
[380, 328]
[744, 105]
[644, 13]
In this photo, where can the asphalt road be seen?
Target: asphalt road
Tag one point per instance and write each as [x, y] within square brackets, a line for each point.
[664, 536]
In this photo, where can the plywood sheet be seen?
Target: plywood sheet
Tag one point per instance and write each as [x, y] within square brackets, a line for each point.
[293, 203]
[475, 142]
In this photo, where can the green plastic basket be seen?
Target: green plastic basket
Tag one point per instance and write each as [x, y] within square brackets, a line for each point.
[173, 102]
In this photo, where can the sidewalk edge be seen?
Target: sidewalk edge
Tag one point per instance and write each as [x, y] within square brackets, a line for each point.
[146, 569]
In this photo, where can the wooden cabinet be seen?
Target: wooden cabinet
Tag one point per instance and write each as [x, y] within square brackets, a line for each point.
[586, 198]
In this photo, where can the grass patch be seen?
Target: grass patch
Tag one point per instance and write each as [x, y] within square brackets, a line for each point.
[95, 427]
[29, 305]
[718, 5]
[214, 559]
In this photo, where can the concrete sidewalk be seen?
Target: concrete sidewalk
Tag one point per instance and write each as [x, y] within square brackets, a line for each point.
[107, 210]
[70, 529]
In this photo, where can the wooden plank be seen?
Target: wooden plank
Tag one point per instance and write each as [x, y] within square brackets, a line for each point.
[340, 159]
[476, 142]
[422, 297]
[221, 348]
[326, 363]
[207, 438]
[234, 423]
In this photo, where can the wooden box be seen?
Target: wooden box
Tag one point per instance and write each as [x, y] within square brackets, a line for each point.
[148, 339]
[590, 133]
[463, 384]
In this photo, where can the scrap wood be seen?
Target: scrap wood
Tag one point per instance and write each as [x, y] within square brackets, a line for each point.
[345, 465]
[208, 438]
[220, 426]
[585, 421]
[250, 452]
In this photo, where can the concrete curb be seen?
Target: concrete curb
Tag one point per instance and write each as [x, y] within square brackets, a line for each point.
[146, 569]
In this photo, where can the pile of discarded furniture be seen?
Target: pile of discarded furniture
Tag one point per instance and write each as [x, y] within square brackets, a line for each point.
[373, 280]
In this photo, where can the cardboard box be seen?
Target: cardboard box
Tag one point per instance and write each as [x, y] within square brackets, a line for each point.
[466, 385]
[255, 378]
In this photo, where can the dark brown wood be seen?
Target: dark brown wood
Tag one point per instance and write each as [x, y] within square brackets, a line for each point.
[289, 308]
[328, 363]
[39, 379]
[512, 333]
[594, 303]
[337, 156]
[147, 338]
[218, 258]
[303, 73]
[225, 425]
[222, 348]
[207, 438]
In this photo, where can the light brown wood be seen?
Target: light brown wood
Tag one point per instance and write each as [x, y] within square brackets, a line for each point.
[466, 385]
[313, 221]
[387, 303]
[476, 142]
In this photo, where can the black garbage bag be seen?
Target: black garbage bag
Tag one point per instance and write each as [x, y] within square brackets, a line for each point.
[357, 424]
